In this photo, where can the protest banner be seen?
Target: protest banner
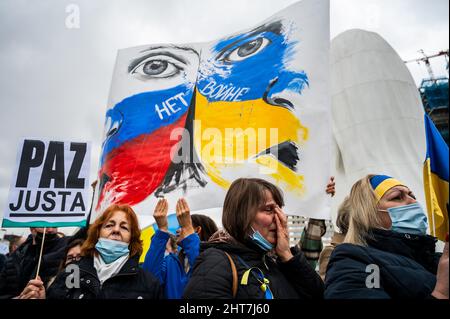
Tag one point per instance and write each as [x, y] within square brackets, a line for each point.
[50, 186]
[187, 120]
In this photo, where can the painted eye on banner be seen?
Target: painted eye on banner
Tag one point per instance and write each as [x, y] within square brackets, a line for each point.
[112, 129]
[156, 67]
[247, 50]
[113, 123]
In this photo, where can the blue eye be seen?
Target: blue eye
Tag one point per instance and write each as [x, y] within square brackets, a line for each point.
[111, 127]
[247, 50]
